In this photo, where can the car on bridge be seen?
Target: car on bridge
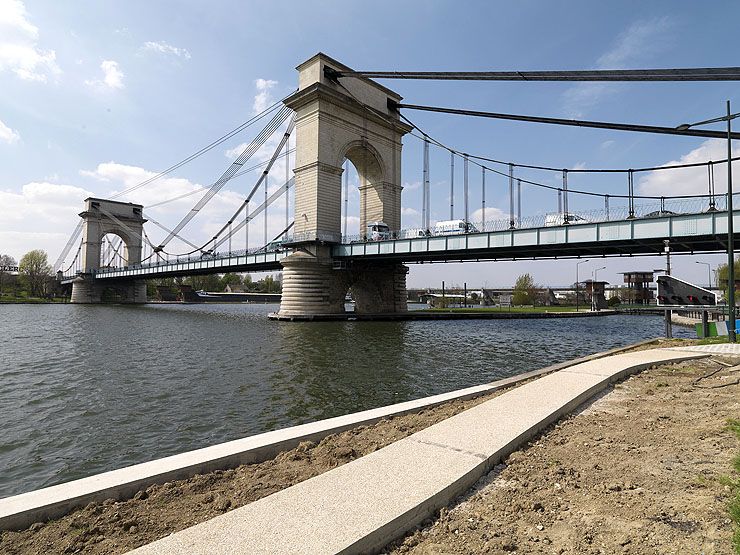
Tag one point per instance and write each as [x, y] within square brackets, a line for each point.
[414, 233]
[454, 227]
[378, 231]
[659, 214]
[561, 218]
[273, 246]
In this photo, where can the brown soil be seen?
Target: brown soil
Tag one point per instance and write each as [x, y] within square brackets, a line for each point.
[642, 470]
[116, 527]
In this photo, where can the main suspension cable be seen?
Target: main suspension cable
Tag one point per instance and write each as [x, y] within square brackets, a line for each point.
[673, 74]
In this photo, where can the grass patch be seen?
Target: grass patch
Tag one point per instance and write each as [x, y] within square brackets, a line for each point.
[30, 300]
[701, 480]
[713, 340]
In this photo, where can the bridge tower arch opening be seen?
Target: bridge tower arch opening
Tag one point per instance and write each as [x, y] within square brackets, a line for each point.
[112, 233]
[113, 251]
[340, 119]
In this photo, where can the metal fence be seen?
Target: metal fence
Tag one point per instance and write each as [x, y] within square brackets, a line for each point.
[659, 208]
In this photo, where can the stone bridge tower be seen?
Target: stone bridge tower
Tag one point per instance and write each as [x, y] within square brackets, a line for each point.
[338, 119]
[100, 218]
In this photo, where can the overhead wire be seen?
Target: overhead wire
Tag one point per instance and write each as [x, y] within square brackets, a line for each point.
[529, 181]
[246, 154]
[205, 149]
[232, 231]
[523, 180]
[201, 189]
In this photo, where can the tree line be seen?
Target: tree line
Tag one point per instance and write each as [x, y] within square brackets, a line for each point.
[217, 283]
[33, 278]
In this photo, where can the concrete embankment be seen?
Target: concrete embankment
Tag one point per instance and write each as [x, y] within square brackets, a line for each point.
[361, 506]
[446, 315]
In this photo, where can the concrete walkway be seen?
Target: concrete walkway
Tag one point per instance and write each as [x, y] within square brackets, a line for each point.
[361, 506]
[717, 349]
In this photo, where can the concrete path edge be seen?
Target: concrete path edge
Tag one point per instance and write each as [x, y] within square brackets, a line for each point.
[379, 538]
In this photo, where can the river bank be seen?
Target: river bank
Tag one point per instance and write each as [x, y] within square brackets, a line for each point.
[215, 373]
[113, 527]
[117, 527]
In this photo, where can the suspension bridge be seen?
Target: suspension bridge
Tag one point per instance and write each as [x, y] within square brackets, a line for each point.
[339, 115]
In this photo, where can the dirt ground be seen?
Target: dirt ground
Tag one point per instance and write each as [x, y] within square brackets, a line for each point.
[646, 469]
[640, 471]
[116, 527]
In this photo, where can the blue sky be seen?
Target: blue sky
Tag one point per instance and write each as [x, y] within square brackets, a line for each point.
[96, 96]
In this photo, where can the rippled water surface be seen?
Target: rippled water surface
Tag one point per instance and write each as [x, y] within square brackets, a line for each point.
[85, 389]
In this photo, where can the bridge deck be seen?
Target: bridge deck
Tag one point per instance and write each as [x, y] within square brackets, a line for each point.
[689, 233]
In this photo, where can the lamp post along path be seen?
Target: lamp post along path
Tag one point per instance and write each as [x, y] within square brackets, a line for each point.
[730, 234]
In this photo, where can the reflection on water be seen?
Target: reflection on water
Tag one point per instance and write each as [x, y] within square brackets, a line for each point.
[92, 388]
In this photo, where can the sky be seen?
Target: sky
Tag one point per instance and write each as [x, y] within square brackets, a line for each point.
[98, 96]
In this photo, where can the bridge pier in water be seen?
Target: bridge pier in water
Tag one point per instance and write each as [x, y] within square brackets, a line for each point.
[125, 220]
[315, 287]
[337, 120]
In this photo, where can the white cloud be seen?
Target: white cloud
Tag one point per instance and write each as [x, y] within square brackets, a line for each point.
[690, 181]
[7, 134]
[263, 98]
[112, 76]
[210, 219]
[162, 47]
[33, 217]
[19, 52]
[637, 44]
[641, 39]
[492, 214]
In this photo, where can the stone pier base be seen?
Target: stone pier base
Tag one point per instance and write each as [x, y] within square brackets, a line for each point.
[379, 288]
[311, 287]
[314, 287]
[86, 290]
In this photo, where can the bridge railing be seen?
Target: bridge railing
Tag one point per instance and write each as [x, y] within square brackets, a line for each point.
[659, 208]
[167, 259]
[664, 207]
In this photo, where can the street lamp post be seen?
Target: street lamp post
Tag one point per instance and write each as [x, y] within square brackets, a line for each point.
[668, 313]
[730, 231]
[594, 274]
[709, 272]
[578, 264]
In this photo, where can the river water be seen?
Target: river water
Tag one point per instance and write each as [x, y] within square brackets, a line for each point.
[85, 389]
